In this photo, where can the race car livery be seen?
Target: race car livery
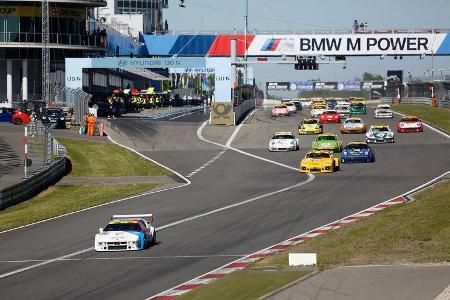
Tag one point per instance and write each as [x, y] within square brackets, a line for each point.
[319, 161]
[291, 107]
[330, 116]
[357, 108]
[353, 125]
[331, 103]
[316, 110]
[327, 141]
[310, 126]
[357, 152]
[379, 134]
[342, 110]
[126, 232]
[306, 102]
[383, 111]
[280, 110]
[283, 141]
[410, 124]
[297, 104]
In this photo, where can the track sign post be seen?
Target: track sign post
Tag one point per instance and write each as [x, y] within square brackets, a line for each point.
[306, 63]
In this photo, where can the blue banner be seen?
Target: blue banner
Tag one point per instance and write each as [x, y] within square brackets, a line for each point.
[301, 86]
[349, 86]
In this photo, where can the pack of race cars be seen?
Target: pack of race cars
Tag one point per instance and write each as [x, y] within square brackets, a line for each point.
[323, 156]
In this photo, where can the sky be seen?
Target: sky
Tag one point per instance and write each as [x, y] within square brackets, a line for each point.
[268, 16]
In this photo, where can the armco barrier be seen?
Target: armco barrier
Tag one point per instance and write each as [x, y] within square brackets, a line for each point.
[30, 187]
[242, 109]
[416, 100]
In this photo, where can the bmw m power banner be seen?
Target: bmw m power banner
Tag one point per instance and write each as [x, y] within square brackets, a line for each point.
[351, 44]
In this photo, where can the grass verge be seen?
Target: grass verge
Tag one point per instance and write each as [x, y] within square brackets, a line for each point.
[438, 116]
[417, 232]
[91, 159]
[244, 285]
[62, 199]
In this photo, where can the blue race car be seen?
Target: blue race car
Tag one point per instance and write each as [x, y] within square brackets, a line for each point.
[357, 152]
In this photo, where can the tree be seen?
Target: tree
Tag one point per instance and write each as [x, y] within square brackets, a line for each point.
[371, 77]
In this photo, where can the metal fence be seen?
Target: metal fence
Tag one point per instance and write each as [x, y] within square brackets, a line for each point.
[76, 99]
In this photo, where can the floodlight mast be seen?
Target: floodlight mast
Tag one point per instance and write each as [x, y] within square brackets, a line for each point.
[245, 39]
[45, 54]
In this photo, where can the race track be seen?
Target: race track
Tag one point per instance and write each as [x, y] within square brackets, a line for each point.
[55, 259]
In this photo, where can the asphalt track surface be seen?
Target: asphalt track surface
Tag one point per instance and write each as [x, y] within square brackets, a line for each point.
[193, 247]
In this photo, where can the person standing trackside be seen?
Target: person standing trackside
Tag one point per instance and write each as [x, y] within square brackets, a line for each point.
[91, 124]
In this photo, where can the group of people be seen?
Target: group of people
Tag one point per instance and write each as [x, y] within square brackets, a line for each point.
[359, 27]
[116, 104]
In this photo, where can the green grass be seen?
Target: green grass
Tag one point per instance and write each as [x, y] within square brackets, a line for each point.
[63, 199]
[101, 159]
[439, 116]
[244, 285]
[417, 232]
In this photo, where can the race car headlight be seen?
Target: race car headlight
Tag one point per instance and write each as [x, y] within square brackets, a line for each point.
[62, 118]
[292, 143]
[345, 153]
[366, 153]
[272, 142]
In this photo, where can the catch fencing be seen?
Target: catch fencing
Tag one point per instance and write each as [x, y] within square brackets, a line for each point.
[75, 99]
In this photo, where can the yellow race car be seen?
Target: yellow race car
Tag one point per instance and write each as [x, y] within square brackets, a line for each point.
[319, 161]
[310, 126]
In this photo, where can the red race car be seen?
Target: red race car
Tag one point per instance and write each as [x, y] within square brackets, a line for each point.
[330, 116]
[20, 117]
[410, 124]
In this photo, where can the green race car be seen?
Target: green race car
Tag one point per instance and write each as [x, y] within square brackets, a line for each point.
[357, 108]
[327, 141]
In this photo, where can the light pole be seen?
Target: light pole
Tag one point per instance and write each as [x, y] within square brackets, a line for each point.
[245, 39]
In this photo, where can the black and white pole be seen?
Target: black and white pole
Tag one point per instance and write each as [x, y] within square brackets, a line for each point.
[25, 163]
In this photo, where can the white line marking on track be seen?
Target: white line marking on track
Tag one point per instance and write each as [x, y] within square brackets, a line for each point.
[126, 258]
[183, 115]
[206, 164]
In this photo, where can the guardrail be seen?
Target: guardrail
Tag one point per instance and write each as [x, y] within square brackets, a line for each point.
[242, 109]
[33, 185]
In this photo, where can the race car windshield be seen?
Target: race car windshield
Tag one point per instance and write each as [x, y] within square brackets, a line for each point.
[330, 112]
[357, 146]
[122, 227]
[383, 107]
[309, 122]
[358, 105]
[318, 155]
[410, 120]
[282, 137]
[280, 106]
[326, 138]
[380, 129]
[353, 121]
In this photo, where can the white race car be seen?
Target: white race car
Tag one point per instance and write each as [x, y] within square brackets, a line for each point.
[342, 110]
[283, 141]
[316, 111]
[305, 102]
[126, 232]
[343, 102]
[380, 134]
[291, 107]
[383, 111]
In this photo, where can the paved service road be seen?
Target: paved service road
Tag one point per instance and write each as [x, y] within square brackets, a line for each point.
[371, 283]
[194, 246]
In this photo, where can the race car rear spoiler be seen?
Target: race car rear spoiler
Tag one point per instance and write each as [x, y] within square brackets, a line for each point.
[149, 217]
